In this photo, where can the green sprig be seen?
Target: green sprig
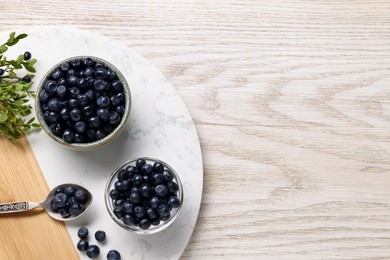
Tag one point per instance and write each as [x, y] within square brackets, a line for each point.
[15, 92]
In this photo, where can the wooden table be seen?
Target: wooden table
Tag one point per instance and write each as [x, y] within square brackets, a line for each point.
[291, 100]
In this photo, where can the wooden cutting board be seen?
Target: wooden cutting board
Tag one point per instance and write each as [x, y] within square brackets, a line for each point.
[33, 234]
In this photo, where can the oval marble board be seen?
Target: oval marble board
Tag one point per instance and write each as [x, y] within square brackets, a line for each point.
[160, 126]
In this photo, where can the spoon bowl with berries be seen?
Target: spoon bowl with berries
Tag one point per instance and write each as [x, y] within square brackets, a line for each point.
[65, 202]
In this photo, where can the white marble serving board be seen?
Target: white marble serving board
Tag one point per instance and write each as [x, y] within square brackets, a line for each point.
[160, 126]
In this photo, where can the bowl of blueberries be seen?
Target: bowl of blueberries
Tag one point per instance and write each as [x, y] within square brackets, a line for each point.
[144, 195]
[83, 102]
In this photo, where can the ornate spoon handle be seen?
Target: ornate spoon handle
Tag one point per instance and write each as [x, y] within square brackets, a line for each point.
[12, 207]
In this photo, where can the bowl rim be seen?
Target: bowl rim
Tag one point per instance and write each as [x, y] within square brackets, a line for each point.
[98, 143]
[135, 229]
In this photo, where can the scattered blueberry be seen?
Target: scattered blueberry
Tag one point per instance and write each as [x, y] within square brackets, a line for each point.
[83, 232]
[93, 251]
[2, 72]
[26, 79]
[100, 235]
[27, 55]
[113, 255]
[82, 245]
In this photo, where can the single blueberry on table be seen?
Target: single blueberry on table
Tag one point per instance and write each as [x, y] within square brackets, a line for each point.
[64, 113]
[54, 104]
[68, 136]
[64, 212]
[44, 96]
[81, 126]
[103, 113]
[57, 74]
[103, 101]
[139, 211]
[65, 66]
[82, 245]
[75, 114]
[93, 251]
[145, 223]
[161, 190]
[50, 86]
[83, 232]
[76, 209]
[100, 235]
[113, 255]
[80, 195]
[26, 79]
[27, 55]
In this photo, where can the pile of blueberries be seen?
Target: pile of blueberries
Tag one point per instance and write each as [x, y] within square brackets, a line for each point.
[69, 201]
[144, 194]
[82, 100]
[93, 251]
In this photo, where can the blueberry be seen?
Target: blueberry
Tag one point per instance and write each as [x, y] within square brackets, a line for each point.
[113, 255]
[103, 113]
[89, 72]
[59, 190]
[78, 137]
[135, 189]
[114, 118]
[157, 178]
[118, 211]
[128, 219]
[99, 65]
[80, 74]
[80, 127]
[65, 66]
[75, 64]
[62, 81]
[88, 110]
[117, 85]
[100, 73]
[128, 207]
[163, 210]
[51, 116]
[146, 178]
[135, 197]
[90, 81]
[100, 235]
[75, 114]
[172, 187]
[154, 202]
[93, 251]
[147, 168]
[114, 194]
[64, 113]
[145, 223]
[152, 213]
[125, 185]
[103, 101]
[2, 72]
[45, 107]
[111, 75]
[54, 206]
[156, 222]
[61, 91]
[56, 129]
[166, 217]
[81, 83]
[91, 134]
[69, 190]
[174, 202]
[54, 104]
[82, 245]
[115, 100]
[72, 80]
[146, 190]
[50, 86]
[118, 186]
[56, 75]
[43, 96]
[108, 128]
[122, 175]
[64, 212]
[60, 199]
[139, 211]
[168, 176]
[80, 195]
[72, 103]
[118, 202]
[139, 163]
[121, 96]
[120, 110]
[71, 201]
[90, 94]
[94, 122]
[100, 134]
[76, 209]
[26, 79]
[158, 167]
[131, 170]
[88, 62]
[137, 179]
[161, 190]
[27, 55]
[70, 73]
[74, 92]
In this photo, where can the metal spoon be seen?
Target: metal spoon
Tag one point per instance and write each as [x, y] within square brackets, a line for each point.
[13, 207]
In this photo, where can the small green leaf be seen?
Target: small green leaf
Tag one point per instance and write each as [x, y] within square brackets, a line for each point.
[20, 59]
[21, 36]
[36, 125]
[3, 49]
[11, 37]
[3, 117]
[28, 67]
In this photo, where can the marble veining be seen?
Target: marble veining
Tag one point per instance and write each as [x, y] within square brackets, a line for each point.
[159, 126]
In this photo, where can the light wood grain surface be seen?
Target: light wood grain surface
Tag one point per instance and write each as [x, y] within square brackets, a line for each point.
[291, 100]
